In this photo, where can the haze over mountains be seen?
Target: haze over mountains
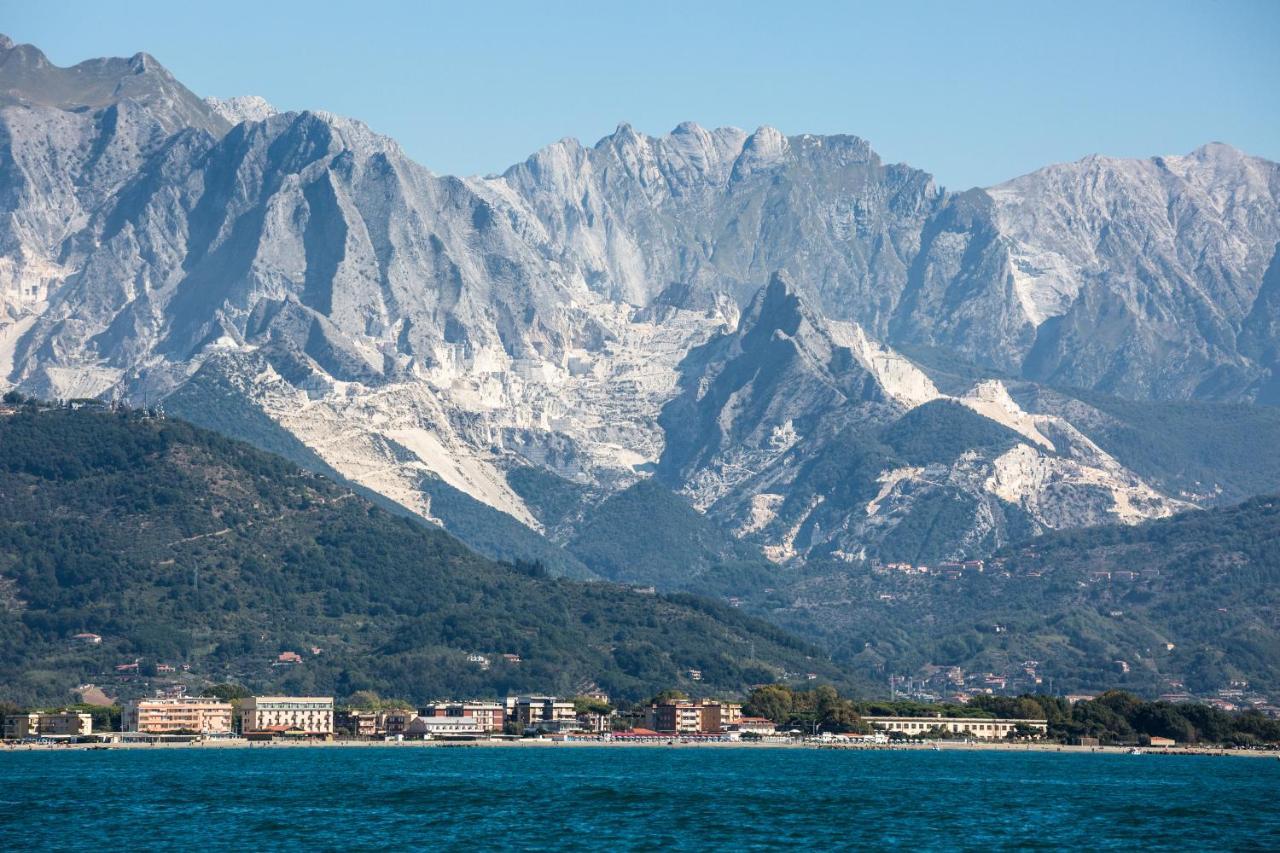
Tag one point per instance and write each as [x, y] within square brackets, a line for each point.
[826, 355]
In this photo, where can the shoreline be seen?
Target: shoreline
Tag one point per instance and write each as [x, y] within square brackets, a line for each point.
[674, 743]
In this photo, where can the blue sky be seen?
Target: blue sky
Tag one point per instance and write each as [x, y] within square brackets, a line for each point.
[973, 92]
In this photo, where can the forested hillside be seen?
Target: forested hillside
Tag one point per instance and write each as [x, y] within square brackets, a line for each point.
[182, 548]
[1186, 603]
[648, 534]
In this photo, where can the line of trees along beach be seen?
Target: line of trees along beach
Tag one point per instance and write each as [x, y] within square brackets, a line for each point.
[1113, 717]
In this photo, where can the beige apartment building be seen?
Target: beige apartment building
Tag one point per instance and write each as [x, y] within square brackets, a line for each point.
[66, 723]
[169, 716]
[395, 721]
[972, 727]
[678, 717]
[709, 716]
[61, 724]
[21, 726]
[310, 714]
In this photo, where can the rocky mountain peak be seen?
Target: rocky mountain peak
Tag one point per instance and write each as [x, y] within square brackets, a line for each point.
[623, 136]
[20, 58]
[689, 128]
[242, 108]
[1097, 244]
[28, 78]
[141, 63]
[1220, 168]
[761, 150]
[1218, 151]
[778, 307]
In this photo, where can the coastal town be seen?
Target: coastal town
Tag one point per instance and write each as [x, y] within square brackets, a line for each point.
[303, 718]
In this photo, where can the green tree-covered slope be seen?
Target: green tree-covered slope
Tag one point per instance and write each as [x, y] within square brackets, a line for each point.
[179, 546]
[648, 534]
[1191, 602]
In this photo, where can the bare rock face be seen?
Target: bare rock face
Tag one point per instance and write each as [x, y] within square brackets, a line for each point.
[241, 108]
[1133, 277]
[720, 210]
[727, 309]
[1140, 275]
[805, 436]
[70, 141]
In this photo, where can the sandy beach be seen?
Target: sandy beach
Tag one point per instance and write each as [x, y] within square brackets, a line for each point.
[673, 743]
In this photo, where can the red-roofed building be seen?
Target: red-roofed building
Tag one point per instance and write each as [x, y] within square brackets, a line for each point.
[755, 725]
[639, 733]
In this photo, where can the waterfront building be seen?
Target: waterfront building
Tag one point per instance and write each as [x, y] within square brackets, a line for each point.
[312, 715]
[433, 726]
[639, 717]
[595, 723]
[59, 724]
[688, 717]
[395, 721]
[681, 717]
[984, 728]
[21, 726]
[755, 725]
[532, 711]
[66, 724]
[357, 723]
[718, 716]
[489, 716]
[169, 716]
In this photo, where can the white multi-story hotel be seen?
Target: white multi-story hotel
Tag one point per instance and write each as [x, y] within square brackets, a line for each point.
[311, 714]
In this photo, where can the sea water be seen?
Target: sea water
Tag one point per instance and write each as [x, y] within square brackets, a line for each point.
[556, 797]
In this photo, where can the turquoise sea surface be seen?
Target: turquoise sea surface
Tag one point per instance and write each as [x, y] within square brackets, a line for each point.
[396, 797]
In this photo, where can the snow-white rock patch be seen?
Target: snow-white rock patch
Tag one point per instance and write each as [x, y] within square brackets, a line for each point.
[764, 509]
[242, 108]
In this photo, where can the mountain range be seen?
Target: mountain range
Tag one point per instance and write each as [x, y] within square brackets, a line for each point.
[813, 354]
